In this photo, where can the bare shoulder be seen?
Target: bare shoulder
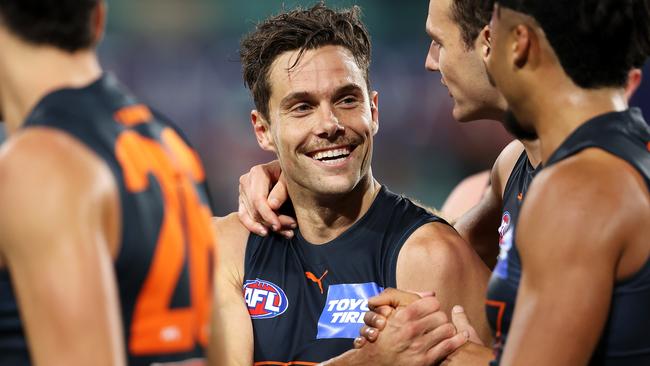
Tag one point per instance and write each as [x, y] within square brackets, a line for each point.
[437, 249]
[594, 196]
[504, 164]
[578, 180]
[230, 231]
[50, 183]
[231, 240]
[45, 173]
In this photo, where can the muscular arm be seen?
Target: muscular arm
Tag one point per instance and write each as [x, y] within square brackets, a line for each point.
[231, 341]
[57, 225]
[436, 258]
[479, 225]
[574, 234]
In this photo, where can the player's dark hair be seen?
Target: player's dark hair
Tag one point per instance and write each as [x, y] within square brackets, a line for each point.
[596, 41]
[300, 29]
[471, 16]
[65, 24]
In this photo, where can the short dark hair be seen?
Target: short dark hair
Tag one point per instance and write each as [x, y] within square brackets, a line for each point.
[65, 24]
[471, 16]
[596, 41]
[300, 29]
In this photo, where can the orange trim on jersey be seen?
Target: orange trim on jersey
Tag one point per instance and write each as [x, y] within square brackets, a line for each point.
[502, 308]
[278, 363]
[133, 115]
[188, 159]
[648, 145]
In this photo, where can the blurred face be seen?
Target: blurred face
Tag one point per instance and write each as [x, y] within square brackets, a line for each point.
[462, 70]
[322, 120]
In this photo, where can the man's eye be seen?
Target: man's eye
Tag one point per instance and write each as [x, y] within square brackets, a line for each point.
[302, 107]
[350, 100]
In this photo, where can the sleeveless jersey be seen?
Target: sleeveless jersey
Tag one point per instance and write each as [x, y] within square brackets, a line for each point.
[164, 262]
[504, 282]
[307, 301]
[624, 341]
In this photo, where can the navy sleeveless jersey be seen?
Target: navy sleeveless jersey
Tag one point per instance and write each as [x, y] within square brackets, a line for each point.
[504, 282]
[307, 301]
[625, 340]
[164, 262]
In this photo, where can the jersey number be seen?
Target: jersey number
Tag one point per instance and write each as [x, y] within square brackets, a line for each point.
[185, 235]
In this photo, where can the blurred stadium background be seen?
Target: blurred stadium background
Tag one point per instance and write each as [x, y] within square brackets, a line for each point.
[181, 56]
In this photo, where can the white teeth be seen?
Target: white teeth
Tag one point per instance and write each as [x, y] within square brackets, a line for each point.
[329, 154]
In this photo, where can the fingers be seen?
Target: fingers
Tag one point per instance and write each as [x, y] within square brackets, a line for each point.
[359, 342]
[419, 309]
[279, 194]
[248, 222]
[256, 212]
[393, 298]
[370, 334]
[272, 169]
[264, 213]
[444, 348]
[460, 320]
[431, 322]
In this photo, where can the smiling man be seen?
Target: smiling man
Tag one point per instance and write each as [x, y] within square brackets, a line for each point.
[301, 300]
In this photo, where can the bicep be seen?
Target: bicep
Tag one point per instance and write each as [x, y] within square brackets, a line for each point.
[479, 227]
[67, 295]
[436, 258]
[231, 339]
[56, 248]
[567, 281]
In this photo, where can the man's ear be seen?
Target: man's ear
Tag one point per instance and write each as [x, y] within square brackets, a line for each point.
[374, 110]
[99, 21]
[484, 43]
[262, 131]
[633, 81]
[522, 45]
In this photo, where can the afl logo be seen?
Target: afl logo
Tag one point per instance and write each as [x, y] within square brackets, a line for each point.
[505, 225]
[264, 299]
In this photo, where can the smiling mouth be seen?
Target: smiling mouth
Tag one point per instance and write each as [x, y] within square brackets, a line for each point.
[332, 156]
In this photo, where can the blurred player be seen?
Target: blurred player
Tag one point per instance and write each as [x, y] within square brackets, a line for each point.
[105, 225]
[304, 297]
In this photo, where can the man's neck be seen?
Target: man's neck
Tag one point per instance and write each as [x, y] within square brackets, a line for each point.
[563, 112]
[31, 72]
[322, 218]
[533, 151]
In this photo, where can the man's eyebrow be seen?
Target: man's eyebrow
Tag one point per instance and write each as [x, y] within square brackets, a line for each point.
[433, 35]
[287, 101]
[351, 88]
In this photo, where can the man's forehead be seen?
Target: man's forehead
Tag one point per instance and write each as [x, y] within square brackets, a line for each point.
[439, 16]
[318, 69]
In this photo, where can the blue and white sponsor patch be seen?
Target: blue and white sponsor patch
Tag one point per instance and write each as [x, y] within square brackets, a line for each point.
[345, 306]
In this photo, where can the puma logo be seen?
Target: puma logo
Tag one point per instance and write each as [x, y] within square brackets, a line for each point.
[312, 277]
